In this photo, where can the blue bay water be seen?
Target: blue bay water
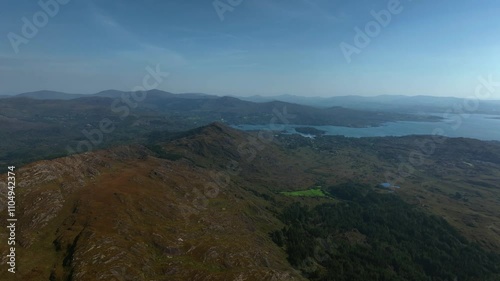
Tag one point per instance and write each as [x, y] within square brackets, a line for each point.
[476, 126]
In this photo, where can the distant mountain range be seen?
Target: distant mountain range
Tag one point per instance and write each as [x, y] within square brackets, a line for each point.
[209, 108]
[54, 95]
[391, 103]
[396, 103]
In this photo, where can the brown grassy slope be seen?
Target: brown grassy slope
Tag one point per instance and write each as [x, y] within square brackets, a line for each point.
[125, 215]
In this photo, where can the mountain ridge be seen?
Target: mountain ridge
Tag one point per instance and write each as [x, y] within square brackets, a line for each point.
[136, 212]
[181, 229]
[386, 103]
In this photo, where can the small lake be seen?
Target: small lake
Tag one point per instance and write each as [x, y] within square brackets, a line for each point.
[476, 126]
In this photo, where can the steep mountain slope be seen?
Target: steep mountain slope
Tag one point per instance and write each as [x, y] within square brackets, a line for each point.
[127, 215]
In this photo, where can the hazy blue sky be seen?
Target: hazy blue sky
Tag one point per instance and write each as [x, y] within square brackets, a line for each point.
[264, 47]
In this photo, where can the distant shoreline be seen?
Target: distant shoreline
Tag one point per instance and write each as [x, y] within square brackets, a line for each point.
[473, 129]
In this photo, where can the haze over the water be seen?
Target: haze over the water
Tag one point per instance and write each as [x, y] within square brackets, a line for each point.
[265, 47]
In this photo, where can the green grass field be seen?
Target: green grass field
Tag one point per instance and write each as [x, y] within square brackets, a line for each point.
[306, 193]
